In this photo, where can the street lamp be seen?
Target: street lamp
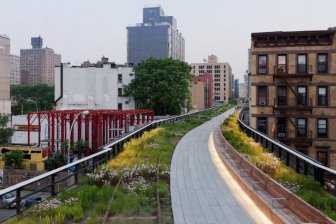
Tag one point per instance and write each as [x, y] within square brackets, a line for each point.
[85, 112]
[33, 101]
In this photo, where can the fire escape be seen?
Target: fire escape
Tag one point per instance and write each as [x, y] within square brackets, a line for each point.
[285, 105]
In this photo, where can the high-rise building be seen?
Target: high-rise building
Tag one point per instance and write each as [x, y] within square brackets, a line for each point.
[236, 88]
[38, 64]
[37, 42]
[5, 103]
[222, 78]
[15, 76]
[292, 89]
[157, 36]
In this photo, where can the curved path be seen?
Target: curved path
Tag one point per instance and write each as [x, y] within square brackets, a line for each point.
[202, 190]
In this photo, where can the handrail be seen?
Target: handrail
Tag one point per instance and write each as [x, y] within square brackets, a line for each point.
[288, 149]
[105, 149]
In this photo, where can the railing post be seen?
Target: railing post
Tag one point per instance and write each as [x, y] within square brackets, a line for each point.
[53, 180]
[318, 174]
[18, 201]
[297, 165]
[287, 158]
[76, 173]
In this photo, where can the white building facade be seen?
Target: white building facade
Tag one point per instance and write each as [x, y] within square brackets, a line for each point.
[15, 76]
[5, 102]
[93, 87]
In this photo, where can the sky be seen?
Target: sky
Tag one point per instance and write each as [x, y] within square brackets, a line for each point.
[87, 30]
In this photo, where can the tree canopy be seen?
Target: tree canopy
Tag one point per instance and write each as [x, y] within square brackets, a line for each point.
[161, 85]
[28, 98]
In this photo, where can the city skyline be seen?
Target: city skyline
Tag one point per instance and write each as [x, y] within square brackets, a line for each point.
[81, 31]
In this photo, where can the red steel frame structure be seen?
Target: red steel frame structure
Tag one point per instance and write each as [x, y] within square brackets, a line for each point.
[97, 128]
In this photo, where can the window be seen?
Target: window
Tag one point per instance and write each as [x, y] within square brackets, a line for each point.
[282, 96]
[322, 155]
[302, 95]
[201, 67]
[262, 64]
[201, 71]
[262, 95]
[322, 63]
[302, 127]
[119, 78]
[302, 63]
[217, 98]
[119, 106]
[322, 128]
[282, 64]
[281, 127]
[322, 96]
[119, 91]
[262, 124]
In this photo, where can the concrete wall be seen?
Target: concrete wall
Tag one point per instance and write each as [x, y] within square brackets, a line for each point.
[92, 88]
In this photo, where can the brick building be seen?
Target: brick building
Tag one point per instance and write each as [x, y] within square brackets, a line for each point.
[201, 91]
[293, 79]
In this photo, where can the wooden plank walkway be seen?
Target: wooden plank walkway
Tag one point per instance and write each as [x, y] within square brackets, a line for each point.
[202, 190]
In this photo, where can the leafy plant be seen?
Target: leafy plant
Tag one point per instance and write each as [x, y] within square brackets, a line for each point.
[14, 159]
[5, 132]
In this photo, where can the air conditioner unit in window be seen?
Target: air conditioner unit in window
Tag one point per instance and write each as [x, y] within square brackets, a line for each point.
[262, 103]
[281, 135]
[262, 71]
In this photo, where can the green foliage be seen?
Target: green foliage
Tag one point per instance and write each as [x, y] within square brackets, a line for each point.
[14, 159]
[161, 85]
[28, 97]
[49, 164]
[5, 132]
[160, 142]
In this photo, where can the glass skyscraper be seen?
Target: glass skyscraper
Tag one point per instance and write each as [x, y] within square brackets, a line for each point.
[157, 36]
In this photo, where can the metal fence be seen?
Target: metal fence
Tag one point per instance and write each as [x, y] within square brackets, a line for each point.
[53, 178]
[299, 162]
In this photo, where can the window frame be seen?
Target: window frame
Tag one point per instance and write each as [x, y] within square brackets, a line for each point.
[285, 70]
[258, 64]
[326, 95]
[318, 63]
[258, 95]
[318, 134]
[297, 64]
[298, 135]
[323, 150]
[120, 92]
[298, 95]
[266, 123]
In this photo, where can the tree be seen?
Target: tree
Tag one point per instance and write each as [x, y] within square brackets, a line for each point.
[5, 132]
[14, 159]
[29, 98]
[162, 85]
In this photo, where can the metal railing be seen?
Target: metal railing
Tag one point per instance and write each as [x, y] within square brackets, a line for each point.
[302, 70]
[299, 162]
[58, 176]
[282, 102]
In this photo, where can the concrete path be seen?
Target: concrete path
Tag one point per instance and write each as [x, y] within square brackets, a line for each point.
[202, 190]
